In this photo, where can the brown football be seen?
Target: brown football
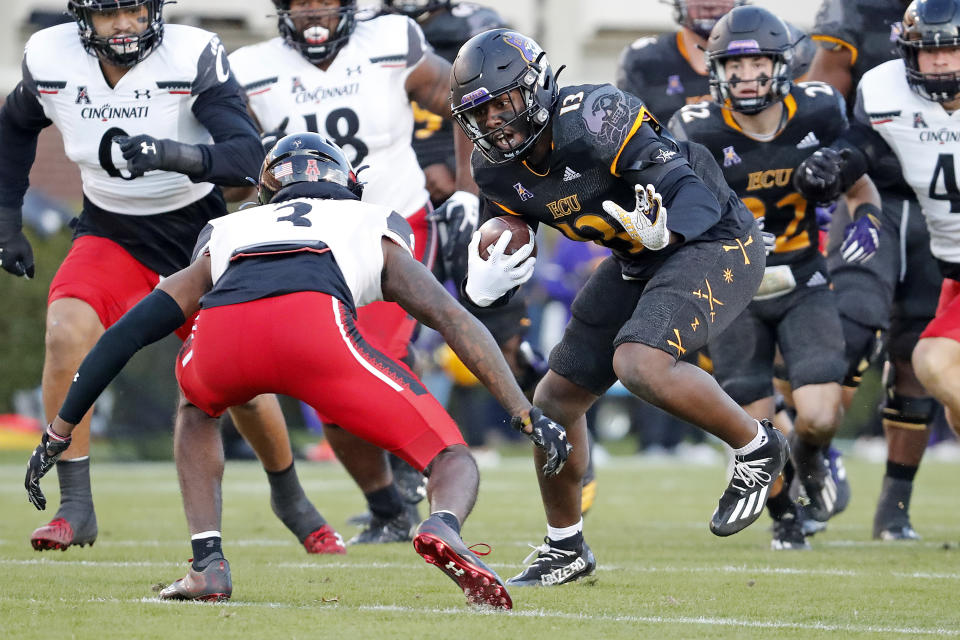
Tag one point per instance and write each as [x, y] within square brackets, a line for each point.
[492, 229]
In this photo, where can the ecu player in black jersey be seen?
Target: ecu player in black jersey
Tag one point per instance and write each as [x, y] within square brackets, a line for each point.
[897, 291]
[760, 127]
[593, 163]
[669, 70]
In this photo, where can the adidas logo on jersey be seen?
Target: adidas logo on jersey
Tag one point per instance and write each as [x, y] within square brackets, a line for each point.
[809, 140]
[569, 174]
[816, 280]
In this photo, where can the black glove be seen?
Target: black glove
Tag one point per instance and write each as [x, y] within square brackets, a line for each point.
[269, 138]
[819, 177]
[456, 221]
[16, 254]
[44, 457]
[145, 153]
[548, 436]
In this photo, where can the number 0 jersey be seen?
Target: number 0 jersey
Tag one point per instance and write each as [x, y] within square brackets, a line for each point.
[349, 230]
[360, 102]
[760, 172]
[926, 140]
[155, 97]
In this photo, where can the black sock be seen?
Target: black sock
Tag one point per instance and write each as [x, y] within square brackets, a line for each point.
[573, 543]
[449, 519]
[76, 499]
[780, 505]
[291, 504]
[899, 471]
[205, 551]
[386, 503]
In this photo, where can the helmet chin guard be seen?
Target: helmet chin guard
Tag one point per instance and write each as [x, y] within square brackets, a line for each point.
[315, 42]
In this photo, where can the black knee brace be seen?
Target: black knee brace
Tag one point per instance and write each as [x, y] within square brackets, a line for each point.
[904, 412]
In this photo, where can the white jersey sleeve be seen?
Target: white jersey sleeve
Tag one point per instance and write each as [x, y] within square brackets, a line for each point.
[155, 97]
[360, 102]
[350, 229]
[926, 140]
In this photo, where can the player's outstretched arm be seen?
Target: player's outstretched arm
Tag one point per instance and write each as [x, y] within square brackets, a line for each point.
[411, 285]
[154, 317]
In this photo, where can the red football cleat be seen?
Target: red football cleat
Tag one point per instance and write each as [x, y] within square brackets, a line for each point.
[440, 545]
[59, 534]
[325, 540]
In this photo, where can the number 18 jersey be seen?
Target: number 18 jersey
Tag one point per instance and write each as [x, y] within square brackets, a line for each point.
[360, 102]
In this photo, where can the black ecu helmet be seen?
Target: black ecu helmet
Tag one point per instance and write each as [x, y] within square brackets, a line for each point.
[316, 43]
[751, 31]
[930, 24]
[123, 50]
[493, 63]
[701, 26]
[305, 157]
[415, 8]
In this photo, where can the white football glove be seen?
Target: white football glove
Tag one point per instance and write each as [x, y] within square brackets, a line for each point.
[769, 239]
[488, 280]
[647, 223]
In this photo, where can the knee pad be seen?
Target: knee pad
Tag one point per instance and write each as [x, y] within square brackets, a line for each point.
[902, 412]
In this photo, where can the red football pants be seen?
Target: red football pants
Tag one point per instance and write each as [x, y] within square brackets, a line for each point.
[307, 345]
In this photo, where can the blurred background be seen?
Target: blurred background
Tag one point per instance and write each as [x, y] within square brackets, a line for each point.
[136, 412]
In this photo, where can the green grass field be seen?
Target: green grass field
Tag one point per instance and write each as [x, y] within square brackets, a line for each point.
[661, 573]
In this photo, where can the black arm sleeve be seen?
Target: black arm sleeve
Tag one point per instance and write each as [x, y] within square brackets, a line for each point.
[21, 120]
[236, 152]
[151, 319]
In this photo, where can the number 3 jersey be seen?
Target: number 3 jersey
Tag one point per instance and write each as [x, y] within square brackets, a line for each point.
[327, 245]
[154, 97]
[926, 140]
[760, 172]
[360, 102]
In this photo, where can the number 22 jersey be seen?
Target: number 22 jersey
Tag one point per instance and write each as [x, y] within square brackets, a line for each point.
[360, 102]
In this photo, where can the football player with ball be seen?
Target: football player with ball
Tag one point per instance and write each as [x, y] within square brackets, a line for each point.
[592, 162]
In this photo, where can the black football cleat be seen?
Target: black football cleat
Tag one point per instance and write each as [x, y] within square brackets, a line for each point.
[746, 494]
[212, 584]
[60, 534]
[384, 531]
[788, 533]
[440, 545]
[813, 473]
[554, 566]
[892, 518]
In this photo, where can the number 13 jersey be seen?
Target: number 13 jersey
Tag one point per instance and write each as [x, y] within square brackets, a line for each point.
[360, 102]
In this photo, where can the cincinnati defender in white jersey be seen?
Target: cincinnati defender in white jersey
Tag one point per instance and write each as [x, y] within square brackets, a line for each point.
[349, 229]
[909, 108]
[290, 291]
[352, 81]
[360, 101]
[156, 97]
[154, 119]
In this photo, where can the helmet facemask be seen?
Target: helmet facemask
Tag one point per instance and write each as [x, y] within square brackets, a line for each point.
[120, 50]
[302, 29]
[926, 28]
[701, 26]
[416, 8]
[778, 83]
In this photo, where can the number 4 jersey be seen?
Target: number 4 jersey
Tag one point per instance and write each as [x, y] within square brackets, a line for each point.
[926, 139]
[360, 102]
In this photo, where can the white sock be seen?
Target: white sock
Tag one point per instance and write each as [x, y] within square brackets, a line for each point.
[563, 533]
[206, 534]
[758, 441]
